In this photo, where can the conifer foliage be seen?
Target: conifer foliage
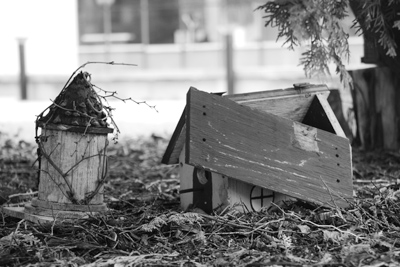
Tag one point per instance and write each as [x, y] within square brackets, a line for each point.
[318, 25]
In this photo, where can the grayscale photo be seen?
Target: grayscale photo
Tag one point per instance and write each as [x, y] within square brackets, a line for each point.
[199, 133]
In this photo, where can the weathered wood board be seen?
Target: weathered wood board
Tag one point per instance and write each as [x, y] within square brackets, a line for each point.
[289, 103]
[27, 214]
[20, 212]
[265, 150]
[82, 156]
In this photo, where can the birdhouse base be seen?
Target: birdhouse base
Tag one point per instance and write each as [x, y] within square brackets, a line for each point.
[45, 212]
[20, 213]
[212, 191]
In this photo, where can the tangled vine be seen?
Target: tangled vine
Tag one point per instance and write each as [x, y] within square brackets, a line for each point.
[79, 108]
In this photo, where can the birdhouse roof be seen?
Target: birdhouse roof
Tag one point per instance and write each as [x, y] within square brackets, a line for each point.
[292, 103]
[77, 108]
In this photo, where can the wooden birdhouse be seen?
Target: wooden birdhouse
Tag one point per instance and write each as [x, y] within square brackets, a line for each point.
[249, 150]
[72, 155]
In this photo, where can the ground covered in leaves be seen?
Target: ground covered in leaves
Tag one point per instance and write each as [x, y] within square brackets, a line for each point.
[146, 227]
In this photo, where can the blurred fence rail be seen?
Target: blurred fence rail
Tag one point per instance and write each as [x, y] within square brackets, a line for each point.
[166, 71]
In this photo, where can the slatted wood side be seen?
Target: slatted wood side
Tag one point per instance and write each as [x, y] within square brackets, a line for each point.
[83, 155]
[266, 150]
[309, 90]
[293, 107]
[288, 103]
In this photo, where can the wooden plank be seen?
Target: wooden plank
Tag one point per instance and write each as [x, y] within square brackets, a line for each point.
[83, 181]
[21, 213]
[55, 214]
[101, 148]
[67, 207]
[308, 90]
[82, 156]
[177, 142]
[294, 107]
[289, 103]
[68, 158]
[51, 185]
[72, 128]
[331, 116]
[28, 213]
[96, 167]
[266, 150]
[16, 212]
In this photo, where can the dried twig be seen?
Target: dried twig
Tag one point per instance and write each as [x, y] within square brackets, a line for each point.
[114, 93]
[95, 62]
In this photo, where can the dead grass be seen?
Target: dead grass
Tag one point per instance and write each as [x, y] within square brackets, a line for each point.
[145, 226]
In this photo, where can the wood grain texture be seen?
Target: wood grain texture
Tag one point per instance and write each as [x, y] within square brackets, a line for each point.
[289, 103]
[80, 157]
[16, 212]
[26, 213]
[294, 107]
[77, 129]
[279, 93]
[67, 206]
[266, 150]
[55, 214]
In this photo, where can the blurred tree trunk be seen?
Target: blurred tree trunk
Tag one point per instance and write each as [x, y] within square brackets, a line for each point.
[375, 96]
[377, 90]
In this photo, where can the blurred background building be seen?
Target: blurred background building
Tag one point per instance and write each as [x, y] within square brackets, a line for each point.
[175, 43]
[213, 45]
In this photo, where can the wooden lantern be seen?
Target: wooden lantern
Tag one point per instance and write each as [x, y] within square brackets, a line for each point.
[249, 150]
[72, 154]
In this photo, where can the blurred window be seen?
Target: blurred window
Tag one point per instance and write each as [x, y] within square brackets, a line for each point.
[124, 21]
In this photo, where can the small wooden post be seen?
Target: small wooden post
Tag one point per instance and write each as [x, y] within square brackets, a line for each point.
[230, 73]
[145, 30]
[22, 72]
